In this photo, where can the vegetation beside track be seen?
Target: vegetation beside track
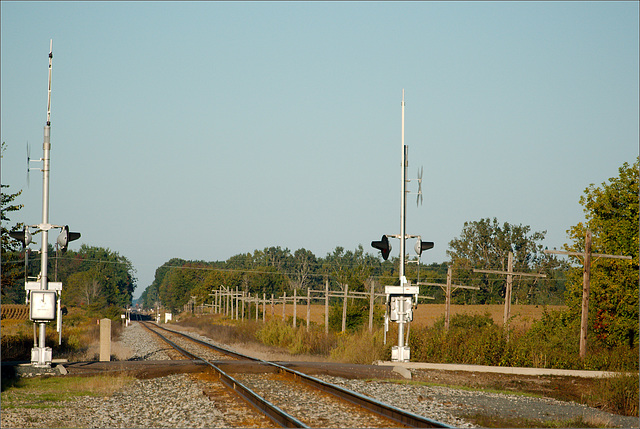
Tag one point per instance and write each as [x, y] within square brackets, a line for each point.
[468, 336]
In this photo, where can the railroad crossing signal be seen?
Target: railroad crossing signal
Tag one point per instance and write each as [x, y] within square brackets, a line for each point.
[422, 246]
[383, 245]
[65, 237]
[23, 236]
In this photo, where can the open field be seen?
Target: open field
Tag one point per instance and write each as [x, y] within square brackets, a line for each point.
[15, 311]
[522, 316]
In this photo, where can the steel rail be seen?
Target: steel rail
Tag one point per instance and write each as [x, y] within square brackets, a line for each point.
[380, 408]
[273, 412]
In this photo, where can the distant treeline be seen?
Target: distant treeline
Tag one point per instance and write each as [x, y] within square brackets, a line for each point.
[275, 270]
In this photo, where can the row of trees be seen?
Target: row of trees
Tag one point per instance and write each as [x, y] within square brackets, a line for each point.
[275, 270]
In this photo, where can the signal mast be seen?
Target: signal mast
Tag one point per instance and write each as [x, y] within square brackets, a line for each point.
[43, 295]
[400, 300]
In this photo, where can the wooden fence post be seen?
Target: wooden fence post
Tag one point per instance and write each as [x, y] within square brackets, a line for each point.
[344, 308]
[284, 304]
[326, 306]
[371, 297]
[237, 297]
[308, 308]
[295, 302]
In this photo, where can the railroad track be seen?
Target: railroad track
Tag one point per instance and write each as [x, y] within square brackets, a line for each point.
[280, 393]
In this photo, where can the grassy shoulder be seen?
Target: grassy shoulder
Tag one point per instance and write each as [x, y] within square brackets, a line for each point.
[54, 392]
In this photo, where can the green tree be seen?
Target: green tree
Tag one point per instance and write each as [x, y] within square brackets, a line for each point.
[303, 267]
[612, 216]
[151, 294]
[351, 268]
[95, 276]
[485, 244]
[12, 269]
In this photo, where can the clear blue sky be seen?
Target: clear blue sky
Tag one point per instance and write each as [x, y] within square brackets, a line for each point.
[203, 130]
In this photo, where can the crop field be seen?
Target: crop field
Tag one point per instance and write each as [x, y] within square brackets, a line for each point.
[15, 312]
[522, 316]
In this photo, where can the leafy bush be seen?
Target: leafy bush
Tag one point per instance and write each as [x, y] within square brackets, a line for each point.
[276, 333]
[471, 339]
[361, 347]
[551, 342]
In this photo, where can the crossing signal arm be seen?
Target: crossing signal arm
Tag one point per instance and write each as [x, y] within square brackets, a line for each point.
[23, 236]
[382, 245]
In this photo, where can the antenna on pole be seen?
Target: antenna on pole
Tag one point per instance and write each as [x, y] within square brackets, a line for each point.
[419, 197]
[49, 93]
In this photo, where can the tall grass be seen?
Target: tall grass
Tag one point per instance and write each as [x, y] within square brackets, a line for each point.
[551, 342]
[296, 340]
[361, 347]
[619, 394]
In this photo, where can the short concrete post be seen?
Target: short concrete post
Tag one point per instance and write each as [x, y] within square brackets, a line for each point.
[105, 340]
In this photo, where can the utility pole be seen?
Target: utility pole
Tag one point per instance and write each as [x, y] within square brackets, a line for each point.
[448, 288]
[509, 273]
[586, 284]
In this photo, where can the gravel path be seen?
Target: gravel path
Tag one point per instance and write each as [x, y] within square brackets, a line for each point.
[178, 401]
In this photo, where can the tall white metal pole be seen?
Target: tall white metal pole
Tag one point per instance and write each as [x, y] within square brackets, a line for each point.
[46, 147]
[403, 193]
[403, 207]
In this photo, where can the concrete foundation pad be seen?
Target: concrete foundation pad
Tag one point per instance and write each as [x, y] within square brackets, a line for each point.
[500, 369]
[402, 371]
